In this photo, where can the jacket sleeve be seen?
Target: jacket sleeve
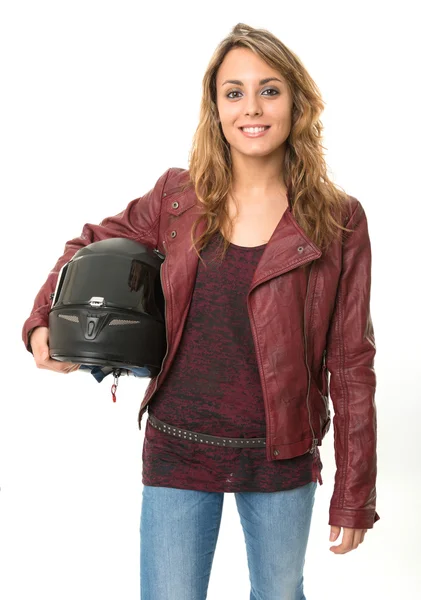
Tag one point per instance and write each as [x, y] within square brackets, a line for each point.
[139, 221]
[350, 356]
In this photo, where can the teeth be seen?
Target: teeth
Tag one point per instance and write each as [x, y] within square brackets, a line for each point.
[253, 129]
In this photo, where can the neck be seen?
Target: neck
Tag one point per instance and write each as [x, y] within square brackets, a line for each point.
[257, 178]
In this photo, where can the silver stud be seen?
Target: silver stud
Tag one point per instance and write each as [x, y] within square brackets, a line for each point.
[173, 234]
[300, 248]
[175, 204]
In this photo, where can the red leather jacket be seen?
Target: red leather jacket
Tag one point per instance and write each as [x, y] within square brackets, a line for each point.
[305, 322]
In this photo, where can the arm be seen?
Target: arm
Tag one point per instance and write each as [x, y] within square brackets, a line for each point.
[139, 221]
[350, 360]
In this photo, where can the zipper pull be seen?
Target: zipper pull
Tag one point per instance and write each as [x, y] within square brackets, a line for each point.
[314, 445]
[159, 254]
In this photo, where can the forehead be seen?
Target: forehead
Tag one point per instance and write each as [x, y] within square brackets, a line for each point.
[244, 65]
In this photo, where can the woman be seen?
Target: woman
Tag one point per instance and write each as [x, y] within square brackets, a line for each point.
[267, 285]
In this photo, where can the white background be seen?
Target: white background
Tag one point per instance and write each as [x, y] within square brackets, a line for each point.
[98, 99]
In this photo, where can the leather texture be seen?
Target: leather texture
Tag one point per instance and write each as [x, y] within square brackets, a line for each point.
[311, 324]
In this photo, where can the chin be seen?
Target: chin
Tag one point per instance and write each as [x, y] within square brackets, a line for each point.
[257, 153]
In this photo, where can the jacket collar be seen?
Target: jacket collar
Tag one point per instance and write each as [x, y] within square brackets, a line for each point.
[288, 248]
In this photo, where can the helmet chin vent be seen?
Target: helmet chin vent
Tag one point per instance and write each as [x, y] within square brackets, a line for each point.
[123, 322]
[72, 318]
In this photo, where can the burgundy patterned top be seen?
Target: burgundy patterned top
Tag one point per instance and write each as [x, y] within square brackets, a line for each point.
[214, 387]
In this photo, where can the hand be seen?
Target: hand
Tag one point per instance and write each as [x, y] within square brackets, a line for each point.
[350, 540]
[41, 352]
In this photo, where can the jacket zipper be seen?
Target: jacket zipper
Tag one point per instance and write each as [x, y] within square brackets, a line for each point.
[326, 384]
[166, 336]
[252, 326]
[315, 440]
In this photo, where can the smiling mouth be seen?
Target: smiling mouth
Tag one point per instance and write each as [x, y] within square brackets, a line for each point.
[257, 128]
[254, 132]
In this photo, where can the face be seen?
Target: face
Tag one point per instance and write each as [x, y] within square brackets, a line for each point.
[248, 101]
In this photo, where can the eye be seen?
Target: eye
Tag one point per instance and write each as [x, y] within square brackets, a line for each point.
[266, 90]
[233, 92]
[271, 90]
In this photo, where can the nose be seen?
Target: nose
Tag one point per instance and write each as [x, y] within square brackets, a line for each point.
[253, 112]
[252, 106]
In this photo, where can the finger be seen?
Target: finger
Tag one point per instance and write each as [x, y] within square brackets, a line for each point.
[352, 538]
[357, 538]
[71, 368]
[58, 366]
[48, 363]
[42, 354]
[65, 367]
[347, 541]
[64, 371]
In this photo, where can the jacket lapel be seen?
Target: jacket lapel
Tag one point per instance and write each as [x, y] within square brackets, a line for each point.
[288, 248]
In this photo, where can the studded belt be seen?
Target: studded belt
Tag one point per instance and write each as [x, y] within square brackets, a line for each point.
[194, 436]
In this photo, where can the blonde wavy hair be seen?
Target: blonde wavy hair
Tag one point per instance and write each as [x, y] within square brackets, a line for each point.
[316, 202]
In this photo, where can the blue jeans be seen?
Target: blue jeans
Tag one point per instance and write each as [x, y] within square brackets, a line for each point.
[179, 530]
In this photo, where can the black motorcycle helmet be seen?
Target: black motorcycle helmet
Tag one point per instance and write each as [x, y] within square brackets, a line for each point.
[108, 307]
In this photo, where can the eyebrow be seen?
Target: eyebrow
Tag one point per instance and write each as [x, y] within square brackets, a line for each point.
[261, 82]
